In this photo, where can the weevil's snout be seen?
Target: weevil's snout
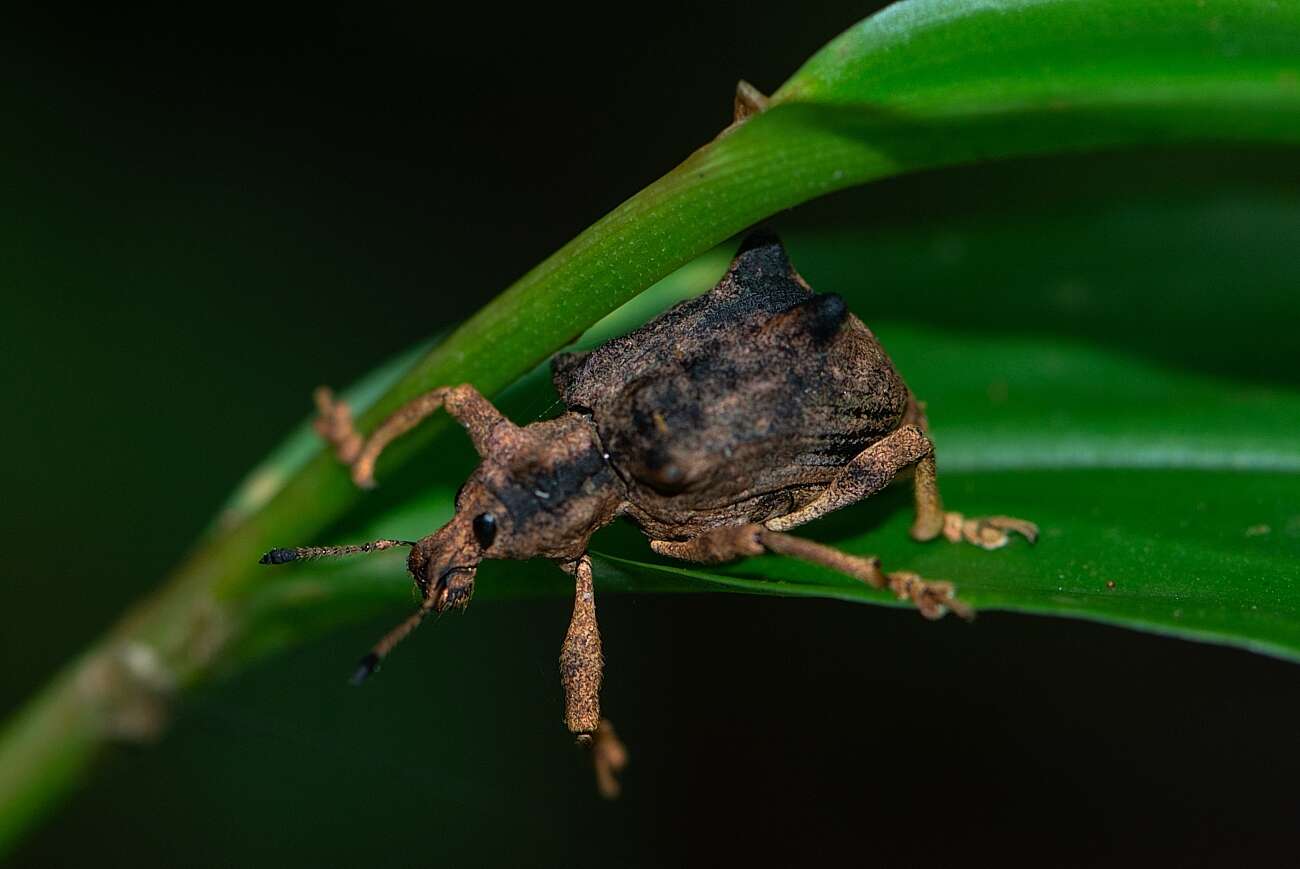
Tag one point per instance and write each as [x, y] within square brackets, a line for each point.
[444, 564]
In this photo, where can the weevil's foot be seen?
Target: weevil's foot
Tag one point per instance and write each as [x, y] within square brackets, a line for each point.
[608, 757]
[334, 425]
[986, 532]
[749, 101]
[933, 598]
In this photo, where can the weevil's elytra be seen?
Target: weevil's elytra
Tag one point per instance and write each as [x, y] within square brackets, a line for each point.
[717, 427]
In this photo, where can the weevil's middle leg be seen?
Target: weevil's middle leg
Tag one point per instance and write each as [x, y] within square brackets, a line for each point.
[581, 660]
[581, 670]
[932, 598]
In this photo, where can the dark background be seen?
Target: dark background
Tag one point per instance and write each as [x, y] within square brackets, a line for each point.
[209, 213]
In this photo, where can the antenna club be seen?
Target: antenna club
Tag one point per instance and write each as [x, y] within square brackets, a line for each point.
[279, 556]
[369, 664]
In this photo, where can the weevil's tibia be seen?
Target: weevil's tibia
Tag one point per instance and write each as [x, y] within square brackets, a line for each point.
[876, 466]
[581, 669]
[335, 424]
[581, 660]
[300, 553]
[932, 598]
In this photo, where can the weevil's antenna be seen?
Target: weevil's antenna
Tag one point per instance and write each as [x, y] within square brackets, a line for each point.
[370, 663]
[298, 553]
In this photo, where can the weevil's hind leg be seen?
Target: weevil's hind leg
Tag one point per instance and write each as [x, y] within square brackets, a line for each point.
[581, 670]
[987, 532]
[334, 423]
[875, 467]
[933, 599]
[866, 474]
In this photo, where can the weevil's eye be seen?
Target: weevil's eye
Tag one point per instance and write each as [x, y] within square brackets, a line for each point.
[485, 529]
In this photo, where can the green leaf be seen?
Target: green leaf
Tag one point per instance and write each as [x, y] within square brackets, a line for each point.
[1178, 487]
[925, 84]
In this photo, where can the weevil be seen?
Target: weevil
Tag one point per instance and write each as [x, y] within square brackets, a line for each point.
[717, 428]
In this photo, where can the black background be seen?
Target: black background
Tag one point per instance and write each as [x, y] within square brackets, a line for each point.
[216, 209]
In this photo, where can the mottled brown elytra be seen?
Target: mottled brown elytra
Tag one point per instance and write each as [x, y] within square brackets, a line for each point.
[722, 424]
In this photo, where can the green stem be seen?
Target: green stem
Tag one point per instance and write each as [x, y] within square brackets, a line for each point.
[119, 690]
[44, 750]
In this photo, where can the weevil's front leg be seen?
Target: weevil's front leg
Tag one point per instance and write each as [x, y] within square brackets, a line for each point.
[465, 403]
[581, 668]
[933, 599]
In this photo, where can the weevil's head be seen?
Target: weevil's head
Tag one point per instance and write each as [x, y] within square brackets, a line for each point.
[541, 491]
[444, 564]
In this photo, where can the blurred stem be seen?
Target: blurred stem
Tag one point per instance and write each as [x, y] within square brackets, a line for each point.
[928, 83]
[44, 750]
[120, 689]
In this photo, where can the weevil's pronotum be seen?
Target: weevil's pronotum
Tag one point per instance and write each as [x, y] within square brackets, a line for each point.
[717, 428]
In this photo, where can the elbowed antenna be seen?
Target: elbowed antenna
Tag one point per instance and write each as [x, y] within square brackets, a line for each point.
[370, 663]
[299, 553]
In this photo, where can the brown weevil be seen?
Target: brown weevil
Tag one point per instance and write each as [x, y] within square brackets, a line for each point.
[718, 427]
